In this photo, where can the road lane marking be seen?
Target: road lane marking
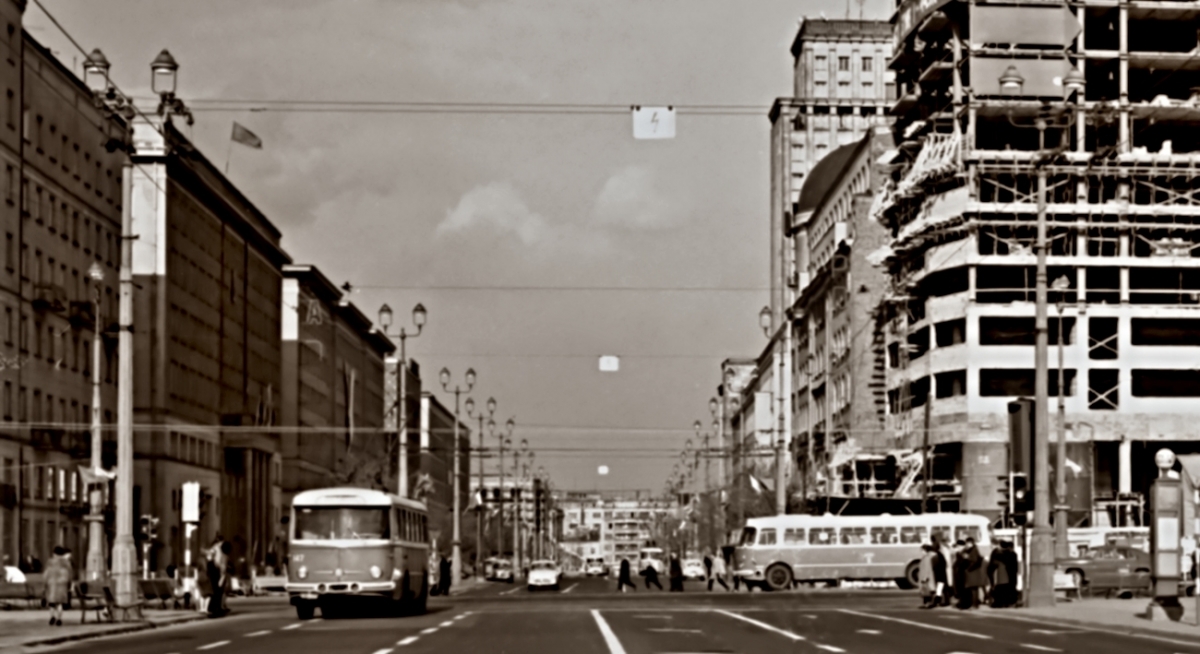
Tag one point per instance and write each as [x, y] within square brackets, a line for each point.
[386, 650]
[429, 630]
[447, 623]
[255, 634]
[570, 588]
[610, 638]
[810, 616]
[219, 643]
[408, 641]
[1040, 648]
[294, 626]
[762, 625]
[873, 632]
[510, 592]
[1185, 643]
[653, 617]
[1057, 632]
[829, 648]
[669, 630]
[913, 623]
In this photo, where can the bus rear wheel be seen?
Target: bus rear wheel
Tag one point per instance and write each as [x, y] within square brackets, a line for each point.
[778, 577]
[305, 610]
[911, 578]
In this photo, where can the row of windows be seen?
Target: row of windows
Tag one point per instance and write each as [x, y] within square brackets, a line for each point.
[45, 409]
[867, 64]
[52, 484]
[53, 345]
[912, 535]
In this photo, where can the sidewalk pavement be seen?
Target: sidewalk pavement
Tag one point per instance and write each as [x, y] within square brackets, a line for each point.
[1128, 615]
[30, 628]
[466, 585]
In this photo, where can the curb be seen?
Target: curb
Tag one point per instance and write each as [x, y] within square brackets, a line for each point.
[115, 631]
[1128, 629]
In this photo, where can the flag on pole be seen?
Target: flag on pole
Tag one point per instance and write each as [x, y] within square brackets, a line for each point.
[246, 137]
[91, 476]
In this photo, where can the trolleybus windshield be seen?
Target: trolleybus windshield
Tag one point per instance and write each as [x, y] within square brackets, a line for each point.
[342, 523]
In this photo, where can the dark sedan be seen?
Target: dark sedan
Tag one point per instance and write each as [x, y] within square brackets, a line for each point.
[1110, 568]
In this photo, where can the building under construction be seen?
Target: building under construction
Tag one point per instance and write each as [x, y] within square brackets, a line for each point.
[1103, 97]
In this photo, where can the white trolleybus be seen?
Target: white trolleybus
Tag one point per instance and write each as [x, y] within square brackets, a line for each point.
[356, 542]
[778, 550]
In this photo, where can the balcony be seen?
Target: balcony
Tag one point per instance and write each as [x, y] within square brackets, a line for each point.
[49, 297]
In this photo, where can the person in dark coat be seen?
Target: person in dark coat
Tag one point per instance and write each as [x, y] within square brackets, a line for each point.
[708, 569]
[940, 577]
[974, 576]
[623, 578]
[1003, 570]
[676, 573]
[58, 585]
[651, 576]
[444, 574]
[214, 563]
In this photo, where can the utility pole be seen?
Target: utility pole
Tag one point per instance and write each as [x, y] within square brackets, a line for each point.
[1041, 573]
[124, 552]
[97, 547]
[481, 417]
[385, 321]
[1062, 546]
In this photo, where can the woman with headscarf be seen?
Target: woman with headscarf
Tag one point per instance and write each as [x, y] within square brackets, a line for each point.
[975, 579]
[925, 578]
[58, 585]
[1003, 569]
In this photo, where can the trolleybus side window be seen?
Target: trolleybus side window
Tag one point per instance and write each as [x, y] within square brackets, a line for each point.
[884, 536]
[963, 532]
[854, 536]
[766, 537]
[822, 536]
[793, 536]
[912, 535]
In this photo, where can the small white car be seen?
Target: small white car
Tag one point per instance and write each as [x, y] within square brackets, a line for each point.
[501, 570]
[595, 568]
[544, 574]
[693, 569]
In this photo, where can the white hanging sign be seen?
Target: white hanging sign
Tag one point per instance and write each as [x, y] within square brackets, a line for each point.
[653, 122]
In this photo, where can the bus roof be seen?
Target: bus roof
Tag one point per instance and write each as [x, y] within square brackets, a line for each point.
[349, 496]
[830, 520]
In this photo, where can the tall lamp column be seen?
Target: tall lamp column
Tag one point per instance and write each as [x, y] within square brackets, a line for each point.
[385, 321]
[455, 543]
[481, 417]
[97, 551]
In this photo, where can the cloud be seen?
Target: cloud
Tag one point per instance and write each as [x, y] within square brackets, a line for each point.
[630, 200]
[497, 206]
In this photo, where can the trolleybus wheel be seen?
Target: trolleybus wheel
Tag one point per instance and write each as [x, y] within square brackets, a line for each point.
[911, 578]
[305, 610]
[778, 577]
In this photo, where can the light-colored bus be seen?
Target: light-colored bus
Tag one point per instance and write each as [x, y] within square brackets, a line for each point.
[356, 542]
[778, 550]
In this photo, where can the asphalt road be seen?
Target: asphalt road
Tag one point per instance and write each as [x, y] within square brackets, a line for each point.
[587, 617]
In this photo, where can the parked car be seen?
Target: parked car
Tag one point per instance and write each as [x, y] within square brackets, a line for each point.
[650, 557]
[595, 568]
[544, 574]
[1109, 568]
[500, 570]
[693, 569]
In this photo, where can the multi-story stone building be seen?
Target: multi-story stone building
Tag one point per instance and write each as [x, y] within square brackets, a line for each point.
[333, 378]
[1119, 165]
[61, 211]
[433, 472]
[207, 349]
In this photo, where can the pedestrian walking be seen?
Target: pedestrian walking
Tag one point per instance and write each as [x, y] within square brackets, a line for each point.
[1003, 568]
[941, 576]
[927, 580]
[974, 581]
[444, 573]
[718, 573]
[708, 568]
[623, 578]
[651, 574]
[228, 570]
[58, 585]
[213, 566]
[675, 572]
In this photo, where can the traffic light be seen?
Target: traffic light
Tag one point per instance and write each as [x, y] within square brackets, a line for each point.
[1020, 436]
[1022, 497]
[149, 527]
[1005, 490]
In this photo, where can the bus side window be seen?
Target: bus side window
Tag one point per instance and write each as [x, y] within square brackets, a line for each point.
[822, 536]
[964, 532]
[793, 536]
[912, 535]
[405, 524]
[884, 536]
[766, 537]
[854, 535]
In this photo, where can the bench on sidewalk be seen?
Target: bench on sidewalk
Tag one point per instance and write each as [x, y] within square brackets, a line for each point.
[90, 599]
[158, 589]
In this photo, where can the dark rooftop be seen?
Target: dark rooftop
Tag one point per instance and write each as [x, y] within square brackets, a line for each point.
[823, 176]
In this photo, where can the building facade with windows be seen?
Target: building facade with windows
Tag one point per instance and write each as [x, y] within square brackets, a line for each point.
[207, 350]
[61, 211]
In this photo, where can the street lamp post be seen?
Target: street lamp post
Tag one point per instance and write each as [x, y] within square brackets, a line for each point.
[97, 547]
[455, 543]
[491, 408]
[518, 559]
[1062, 546]
[385, 321]
[1041, 555]
[505, 441]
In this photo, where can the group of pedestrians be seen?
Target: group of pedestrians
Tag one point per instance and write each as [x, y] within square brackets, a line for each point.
[958, 575]
[714, 567]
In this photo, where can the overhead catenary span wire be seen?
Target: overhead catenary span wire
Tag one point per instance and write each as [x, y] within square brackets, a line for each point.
[600, 289]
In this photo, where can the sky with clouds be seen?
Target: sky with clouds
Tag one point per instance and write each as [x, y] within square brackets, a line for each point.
[399, 203]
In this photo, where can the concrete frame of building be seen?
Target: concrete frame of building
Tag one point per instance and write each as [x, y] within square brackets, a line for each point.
[334, 374]
[61, 214]
[1129, 311]
[207, 350]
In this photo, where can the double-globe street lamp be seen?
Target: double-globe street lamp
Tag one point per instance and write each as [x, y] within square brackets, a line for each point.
[1042, 546]
[385, 323]
[455, 543]
[97, 547]
[481, 417]
[504, 441]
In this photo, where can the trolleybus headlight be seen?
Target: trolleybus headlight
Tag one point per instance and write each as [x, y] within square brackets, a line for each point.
[302, 572]
[396, 574]
[376, 572]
